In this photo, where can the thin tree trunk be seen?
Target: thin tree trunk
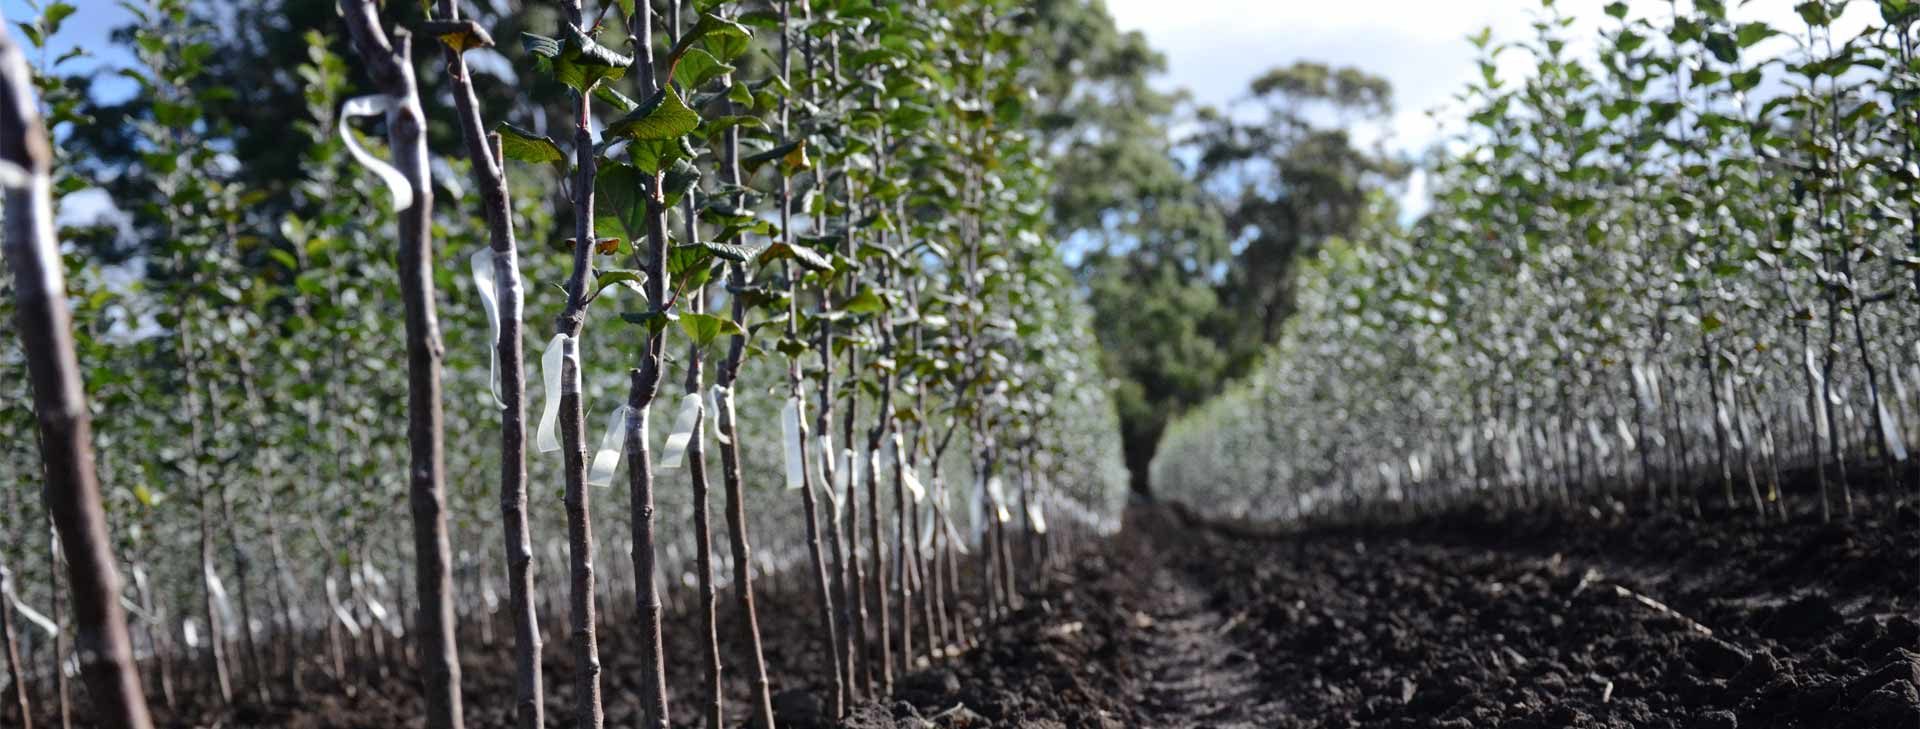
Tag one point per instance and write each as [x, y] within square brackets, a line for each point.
[645, 386]
[737, 542]
[485, 157]
[70, 490]
[62, 692]
[16, 674]
[391, 67]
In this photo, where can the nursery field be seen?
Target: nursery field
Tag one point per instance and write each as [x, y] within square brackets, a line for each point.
[930, 363]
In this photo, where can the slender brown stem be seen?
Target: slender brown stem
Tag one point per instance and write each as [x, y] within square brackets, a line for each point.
[391, 67]
[71, 490]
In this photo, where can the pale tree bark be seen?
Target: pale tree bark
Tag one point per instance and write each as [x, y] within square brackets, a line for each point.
[485, 157]
[71, 490]
[389, 64]
[10, 642]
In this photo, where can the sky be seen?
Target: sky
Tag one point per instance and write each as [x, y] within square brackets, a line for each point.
[1214, 47]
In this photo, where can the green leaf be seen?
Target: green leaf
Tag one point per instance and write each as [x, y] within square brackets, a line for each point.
[680, 179]
[698, 68]
[686, 257]
[632, 279]
[703, 329]
[808, 257]
[142, 494]
[611, 97]
[729, 251]
[792, 156]
[1749, 34]
[578, 60]
[620, 200]
[55, 14]
[663, 117]
[725, 39]
[526, 146]
[867, 301]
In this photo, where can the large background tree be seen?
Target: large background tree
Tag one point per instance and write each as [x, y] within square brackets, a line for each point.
[1187, 244]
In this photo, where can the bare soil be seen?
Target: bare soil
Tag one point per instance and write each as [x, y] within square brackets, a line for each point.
[1603, 616]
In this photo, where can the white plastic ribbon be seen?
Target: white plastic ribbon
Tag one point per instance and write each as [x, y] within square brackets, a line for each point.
[371, 105]
[220, 599]
[1036, 517]
[376, 584]
[607, 459]
[977, 507]
[912, 482]
[927, 526]
[790, 431]
[546, 438]
[946, 518]
[998, 492]
[684, 423]
[1890, 432]
[826, 459]
[40, 621]
[723, 420]
[843, 480]
[482, 264]
[340, 611]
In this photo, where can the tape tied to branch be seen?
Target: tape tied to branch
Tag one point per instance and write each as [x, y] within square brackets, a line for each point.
[723, 422]
[607, 459]
[340, 611]
[998, 492]
[45, 624]
[790, 433]
[482, 264]
[821, 469]
[371, 105]
[1890, 431]
[1036, 517]
[946, 516]
[685, 424]
[547, 437]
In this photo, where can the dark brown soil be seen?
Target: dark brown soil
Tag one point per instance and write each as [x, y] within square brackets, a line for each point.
[1595, 617]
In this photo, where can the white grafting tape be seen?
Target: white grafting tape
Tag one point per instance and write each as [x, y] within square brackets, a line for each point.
[912, 481]
[998, 492]
[820, 471]
[607, 459]
[684, 422]
[340, 610]
[790, 432]
[33, 616]
[482, 264]
[723, 421]
[927, 526]
[1890, 432]
[221, 601]
[946, 518]
[547, 437]
[369, 106]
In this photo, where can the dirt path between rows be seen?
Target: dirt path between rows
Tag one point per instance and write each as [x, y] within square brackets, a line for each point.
[1585, 618]
[1194, 675]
